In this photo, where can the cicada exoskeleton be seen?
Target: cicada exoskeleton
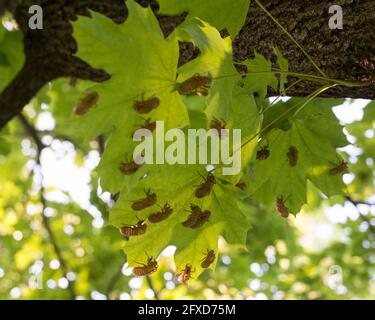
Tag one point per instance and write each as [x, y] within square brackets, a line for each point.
[185, 275]
[87, 103]
[281, 208]
[292, 155]
[340, 168]
[263, 153]
[144, 203]
[219, 126]
[197, 84]
[146, 269]
[208, 259]
[206, 187]
[161, 215]
[134, 230]
[146, 106]
[197, 217]
[241, 185]
[129, 168]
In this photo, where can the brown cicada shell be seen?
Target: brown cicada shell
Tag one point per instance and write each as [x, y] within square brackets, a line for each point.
[144, 203]
[241, 185]
[206, 187]
[149, 125]
[134, 230]
[197, 84]
[129, 168]
[146, 269]
[292, 156]
[218, 126]
[161, 215]
[197, 217]
[185, 275]
[146, 106]
[208, 259]
[86, 103]
[263, 153]
[340, 168]
[281, 208]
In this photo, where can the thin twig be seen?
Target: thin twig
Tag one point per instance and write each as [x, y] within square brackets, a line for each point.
[151, 285]
[32, 132]
[101, 142]
[116, 277]
[57, 136]
[363, 217]
[113, 281]
[291, 38]
[47, 226]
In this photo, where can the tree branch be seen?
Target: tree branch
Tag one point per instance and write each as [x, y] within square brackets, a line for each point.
[113, 281]
[50, 53]
[342, 54]
[115, 278]
[363, 217]
[152, 287]
[31, 131]
[8, 5]
[101, 143]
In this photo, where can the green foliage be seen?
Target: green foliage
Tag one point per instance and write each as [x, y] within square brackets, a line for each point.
[243, 226]
[363, 166]
[215, 60]
[284, 67]
[222, 14]
[11, 55]
[315, 137]
[260, 75]
[132, 53]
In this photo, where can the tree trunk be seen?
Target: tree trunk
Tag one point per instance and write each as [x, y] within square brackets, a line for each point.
[347, 54]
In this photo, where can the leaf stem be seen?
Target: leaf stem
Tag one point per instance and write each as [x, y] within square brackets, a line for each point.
[278, 97]
[300, 105]
[152, 287]
[291, 38]
[32, 132]
[304, 103]
[300, 75]
[363, 216]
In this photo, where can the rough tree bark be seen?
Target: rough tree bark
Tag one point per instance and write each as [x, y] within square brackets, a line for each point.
[347, 54]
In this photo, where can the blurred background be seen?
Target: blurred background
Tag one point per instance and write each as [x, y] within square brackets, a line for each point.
[55, 242]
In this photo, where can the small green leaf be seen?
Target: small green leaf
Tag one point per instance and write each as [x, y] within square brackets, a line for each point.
[315, 140]
[136, 47]
[215, 61]
[284, 67]
[260, 75]
[222, 14]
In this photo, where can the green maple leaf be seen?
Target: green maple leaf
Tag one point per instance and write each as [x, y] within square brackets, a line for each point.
[216, 61]
[172, 185]
[222, 14]
[369, 114]
[278, 114]
[2, 32]
[228, 218]
[244, 116]
[284, 66]
[192, 246]
[136, 47]
[11, 55]
[260, 75]
[176, 186]
[316, 139]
